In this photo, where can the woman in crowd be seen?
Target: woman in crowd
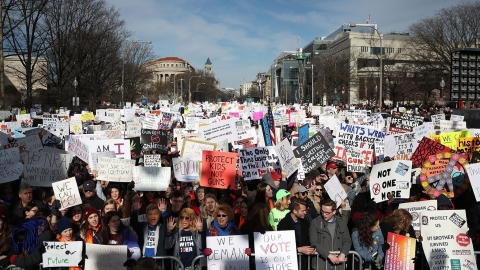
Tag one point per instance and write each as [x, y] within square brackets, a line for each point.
[240, 218]
[110, 205]
[367, 240]
[200, 196]
[115, 233]
[185, 237]
[90, 228]
[281, 208]
[264, 195]
[75, 214]
[257, 221]
[115, 193]
[30, 210]
[351, 186]
[399, 222]
[223, 224]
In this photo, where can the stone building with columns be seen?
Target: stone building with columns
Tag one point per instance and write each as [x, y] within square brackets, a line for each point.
[166, 68]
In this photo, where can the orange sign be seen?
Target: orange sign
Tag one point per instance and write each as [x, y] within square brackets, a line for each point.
[218, 169]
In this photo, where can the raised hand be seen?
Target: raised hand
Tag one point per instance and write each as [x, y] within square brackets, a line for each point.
[162, 205]
[199, 224]
[136, 203]
[171, 224]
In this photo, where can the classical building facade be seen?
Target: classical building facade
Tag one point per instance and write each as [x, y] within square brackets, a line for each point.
[166, 68]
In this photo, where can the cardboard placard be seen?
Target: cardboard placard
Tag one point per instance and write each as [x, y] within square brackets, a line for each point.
[62, 254]
[186, 169]
[314, 152]
[228, 252]
[154, 140]
[42, 168]
[115, 170]
[151, 178]
[287, 158]
[193, 148]
[414, 208]
[426, 148]
[219, 131]
[400, 146]
[105, 257]
[401, 252]
[256, 162]
[218, 169]
[392, 177]
[335, 190]
[152, 160]
[66, 191]
[275, 250]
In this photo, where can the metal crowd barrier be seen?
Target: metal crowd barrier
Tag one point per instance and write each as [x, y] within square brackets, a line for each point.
[172, 259]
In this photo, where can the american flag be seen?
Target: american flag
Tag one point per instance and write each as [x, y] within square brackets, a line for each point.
[271, 123]
[368, 20]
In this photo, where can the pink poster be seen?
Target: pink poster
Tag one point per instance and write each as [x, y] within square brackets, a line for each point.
[257, 116]
[401, 252]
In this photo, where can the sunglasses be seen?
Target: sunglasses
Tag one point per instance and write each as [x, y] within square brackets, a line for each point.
[319, 189]
[221, 215]
[304, 193]
[184, 218]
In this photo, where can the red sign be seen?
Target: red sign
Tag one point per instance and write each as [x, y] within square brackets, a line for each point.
[218, 169]
[463, 239]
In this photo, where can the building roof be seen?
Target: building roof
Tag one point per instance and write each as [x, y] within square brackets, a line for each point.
[168, 58]
[208, 61]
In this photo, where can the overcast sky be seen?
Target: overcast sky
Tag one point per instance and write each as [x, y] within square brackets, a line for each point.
[243, 37]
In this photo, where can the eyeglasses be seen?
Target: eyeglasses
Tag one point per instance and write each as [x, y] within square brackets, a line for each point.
[177, 201]
[184, 218]
[221, 215]
[319, 189]
[325, 213]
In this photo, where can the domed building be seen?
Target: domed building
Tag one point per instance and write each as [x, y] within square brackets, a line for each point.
[163, 69]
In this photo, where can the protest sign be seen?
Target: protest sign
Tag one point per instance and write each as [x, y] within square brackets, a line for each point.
[468, 145]
[401, 252]
[154, 139]
[358, 136]
[335, 190]
[450, 139]
[62, 254]
[10, 172]
[151, 178]
[443, 220]
[133, 129]
[436, 118]
[222, 146]
[182, 133]
[314, 129]
[267, 136]
[121, 147]
[66, 191]
[76, 124]
[426, 148]
[228, 252]
[152, 160]
[404, 122]
[313, 153]
[95, 155]
[275, 250]
[287, 158]
[186, 169]
[114, 169]
[193, 149]
[303, 134]
[29, 143]
[42, 168]
[105, 257]
[390, 177]
[256, 162]
[9, 156]
[447, 125]
[218, 169]
[474, 176]
[400, 146]
[355, 160]
[219, 131]
[414, 208]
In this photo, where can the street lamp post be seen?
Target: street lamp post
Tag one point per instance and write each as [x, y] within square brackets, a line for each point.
[189, 92]
[123, 61]
[442, 85]
[181, 87]
[76, 99]
[196, 90]
[381, 61]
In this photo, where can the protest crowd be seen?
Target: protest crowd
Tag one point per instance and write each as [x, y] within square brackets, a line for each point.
[239, 186]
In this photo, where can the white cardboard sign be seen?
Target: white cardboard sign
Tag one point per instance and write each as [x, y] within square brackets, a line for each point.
[62, 254]
[66, 191]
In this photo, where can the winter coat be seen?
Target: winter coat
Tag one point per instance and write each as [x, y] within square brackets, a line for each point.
[324, 242]
[141, 228]
[31, 261]
[173, 240]
[367, 252]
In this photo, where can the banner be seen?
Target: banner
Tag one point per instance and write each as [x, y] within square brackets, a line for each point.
[62, 254]
[105, 257]
[193, 149]
[256, 162]
[66, 191]
[219, 131]
[401, 252]
[218, 169]
[154, 140]
[151, 178]
[115, 170]
[42, 169]
[314, 153]
[275, 250]
[186, 169]
[392, 177]
[228, 252]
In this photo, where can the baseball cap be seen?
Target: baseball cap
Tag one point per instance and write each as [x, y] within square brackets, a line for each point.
[281, 193]
[275, 175]
[331, 165]
[89, 185]
[300, 189]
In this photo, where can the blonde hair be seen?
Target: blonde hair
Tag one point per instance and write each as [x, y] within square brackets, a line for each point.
[191, 215]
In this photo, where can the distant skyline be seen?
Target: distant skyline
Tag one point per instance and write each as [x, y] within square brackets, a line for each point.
[244, 37]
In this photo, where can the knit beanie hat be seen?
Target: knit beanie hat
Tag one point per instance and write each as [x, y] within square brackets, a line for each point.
[63, 224]
[90, 210]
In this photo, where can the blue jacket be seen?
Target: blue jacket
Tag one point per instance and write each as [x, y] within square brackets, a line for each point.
[364, 251]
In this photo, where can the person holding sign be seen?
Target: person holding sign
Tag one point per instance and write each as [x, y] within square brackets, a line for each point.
[115, 233]
[330, 236]
[186, 238]
[223, 224]
[281, 208]
[65, 233]
[367, 240]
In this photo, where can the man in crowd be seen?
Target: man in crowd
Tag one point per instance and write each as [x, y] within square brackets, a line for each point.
[301, 193]
[316, 197]
[25, 197]
[90, 195]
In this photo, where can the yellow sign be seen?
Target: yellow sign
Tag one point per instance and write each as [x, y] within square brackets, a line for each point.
[88, 116]
[450, 139]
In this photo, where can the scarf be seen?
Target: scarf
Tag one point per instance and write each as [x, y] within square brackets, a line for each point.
[119, 201]
[61, 239]
[215, 230]
[89, 233]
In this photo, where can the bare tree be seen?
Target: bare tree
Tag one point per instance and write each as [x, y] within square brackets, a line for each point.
[136, 75]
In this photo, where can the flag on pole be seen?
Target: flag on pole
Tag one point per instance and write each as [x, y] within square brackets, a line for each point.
[368, 20]
[271, 122]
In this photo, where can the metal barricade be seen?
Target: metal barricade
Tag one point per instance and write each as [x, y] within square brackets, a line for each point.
[198, 260]
[172, 260]
[13, 267]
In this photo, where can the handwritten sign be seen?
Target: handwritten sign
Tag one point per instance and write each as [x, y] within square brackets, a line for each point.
[186, 169]
[474, 175]
[10, 172]
[66, 191]
[314, 152]
[152, 160]
[287, 158]
[400, 146]
[275, 250]
[228, 252]
[335, 190]
[62, 254]
[29, 143]
[79, 148]
[391, 177]
[114, 169]
[95, 155]
[193, 148]
[218, 169]
[151, 178]
[154, 139]
[105, 257]
[42, 168]
[256, 162]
